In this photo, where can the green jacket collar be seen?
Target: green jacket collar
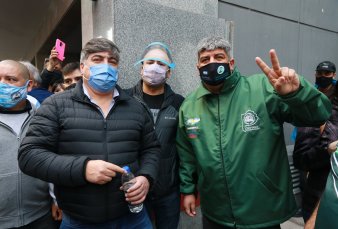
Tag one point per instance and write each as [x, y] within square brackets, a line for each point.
[230, 83]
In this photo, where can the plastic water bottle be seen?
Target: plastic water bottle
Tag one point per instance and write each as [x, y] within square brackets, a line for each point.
[127, 182]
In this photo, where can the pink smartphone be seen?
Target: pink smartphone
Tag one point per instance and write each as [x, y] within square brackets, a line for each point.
[60, 47]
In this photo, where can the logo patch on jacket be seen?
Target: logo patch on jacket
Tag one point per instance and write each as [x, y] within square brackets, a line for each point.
[192, 127]
[249, 121]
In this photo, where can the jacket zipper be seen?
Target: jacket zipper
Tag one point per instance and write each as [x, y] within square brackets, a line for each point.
[222, 156]
[19, 137]
[148, 110]
[105, 131]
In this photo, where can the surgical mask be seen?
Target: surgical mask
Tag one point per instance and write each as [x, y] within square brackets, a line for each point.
[215, 73]
[324, 82]
[154, 74]
[103, 77]
[11, 95]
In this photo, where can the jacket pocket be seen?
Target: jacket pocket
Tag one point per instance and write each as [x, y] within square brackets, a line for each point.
[8, 195]
[267, 182]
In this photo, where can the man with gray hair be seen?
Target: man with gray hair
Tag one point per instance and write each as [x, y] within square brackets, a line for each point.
[230, 139]
[80, 139]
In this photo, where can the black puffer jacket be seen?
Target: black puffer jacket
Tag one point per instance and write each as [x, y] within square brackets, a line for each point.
[165, 127]
[68, 130]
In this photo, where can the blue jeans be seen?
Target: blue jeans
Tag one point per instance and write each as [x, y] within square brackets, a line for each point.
[166, 210]
[129, 221]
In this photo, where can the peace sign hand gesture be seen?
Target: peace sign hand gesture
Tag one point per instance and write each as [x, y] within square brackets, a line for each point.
[284, 80]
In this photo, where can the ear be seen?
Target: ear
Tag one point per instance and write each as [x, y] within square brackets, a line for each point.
[232, 64]
[141, 70]
[198, 66]
[82, 68]
[168, 74]
[29, 85]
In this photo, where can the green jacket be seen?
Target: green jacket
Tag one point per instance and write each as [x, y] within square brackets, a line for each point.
[328, 208]
[232, 148]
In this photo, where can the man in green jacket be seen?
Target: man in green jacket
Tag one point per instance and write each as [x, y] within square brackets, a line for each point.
[230, 139]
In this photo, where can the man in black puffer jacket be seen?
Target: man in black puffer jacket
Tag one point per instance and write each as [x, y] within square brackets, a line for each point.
[162, 105]
[80, 139]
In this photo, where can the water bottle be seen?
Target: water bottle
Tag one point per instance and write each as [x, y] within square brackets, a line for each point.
[127, 182]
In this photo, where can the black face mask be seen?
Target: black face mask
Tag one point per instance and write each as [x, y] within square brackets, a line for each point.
[323, 82]
[215, 73]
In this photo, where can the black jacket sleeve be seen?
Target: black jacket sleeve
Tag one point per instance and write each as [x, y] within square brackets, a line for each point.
[49, 78]
[308, 152]
[37, 154]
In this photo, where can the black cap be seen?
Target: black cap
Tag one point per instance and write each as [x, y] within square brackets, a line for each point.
[326, 66]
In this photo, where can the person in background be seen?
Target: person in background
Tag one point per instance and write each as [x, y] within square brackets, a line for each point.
[50, 75]
[80, 139]
[34, 76]
[308, 155]
[24, 201]
[230, 139]
[71, 74]
[327, 202]
[325, 78]
[162, 105]
[58, 87]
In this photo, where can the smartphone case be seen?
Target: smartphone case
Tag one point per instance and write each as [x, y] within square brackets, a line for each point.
[60, 47]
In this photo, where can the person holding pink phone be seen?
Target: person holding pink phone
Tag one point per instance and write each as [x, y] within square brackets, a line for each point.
[50, 75]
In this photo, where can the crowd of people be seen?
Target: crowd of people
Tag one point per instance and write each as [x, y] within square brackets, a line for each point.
[67, 133]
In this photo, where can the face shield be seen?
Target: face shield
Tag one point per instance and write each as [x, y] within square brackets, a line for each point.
[161, 46]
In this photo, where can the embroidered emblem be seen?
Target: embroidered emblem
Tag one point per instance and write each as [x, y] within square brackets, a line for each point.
[192, 127]
[249, 121]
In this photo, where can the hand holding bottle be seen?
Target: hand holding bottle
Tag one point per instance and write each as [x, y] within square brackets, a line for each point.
[137, 193]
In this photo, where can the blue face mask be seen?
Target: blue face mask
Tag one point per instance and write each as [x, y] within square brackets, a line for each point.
[11, 95]
[103, 77]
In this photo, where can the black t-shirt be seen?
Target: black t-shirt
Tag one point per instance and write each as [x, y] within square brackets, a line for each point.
[154, 102]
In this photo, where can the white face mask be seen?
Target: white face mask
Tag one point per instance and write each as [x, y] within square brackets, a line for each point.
[154, 74]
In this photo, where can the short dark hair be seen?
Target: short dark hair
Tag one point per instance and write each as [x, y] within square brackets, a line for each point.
[99, 45]
[70, 67]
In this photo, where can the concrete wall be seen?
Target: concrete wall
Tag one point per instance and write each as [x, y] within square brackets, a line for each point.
[304, 33]
[180, 24]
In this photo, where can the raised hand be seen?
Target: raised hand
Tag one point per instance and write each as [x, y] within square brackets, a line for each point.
[53, 60]
[284, 80]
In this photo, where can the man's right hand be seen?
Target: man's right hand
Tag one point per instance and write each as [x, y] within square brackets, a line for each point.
[53, 60]
[332, 147]
[101, 172]
[189, 205]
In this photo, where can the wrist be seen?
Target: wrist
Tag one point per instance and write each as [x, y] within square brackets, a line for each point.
[150, 180]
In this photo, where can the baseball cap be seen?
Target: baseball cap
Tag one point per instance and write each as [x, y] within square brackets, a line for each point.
[326, 66]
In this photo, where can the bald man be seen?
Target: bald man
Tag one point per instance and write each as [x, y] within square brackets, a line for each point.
[24, 200]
